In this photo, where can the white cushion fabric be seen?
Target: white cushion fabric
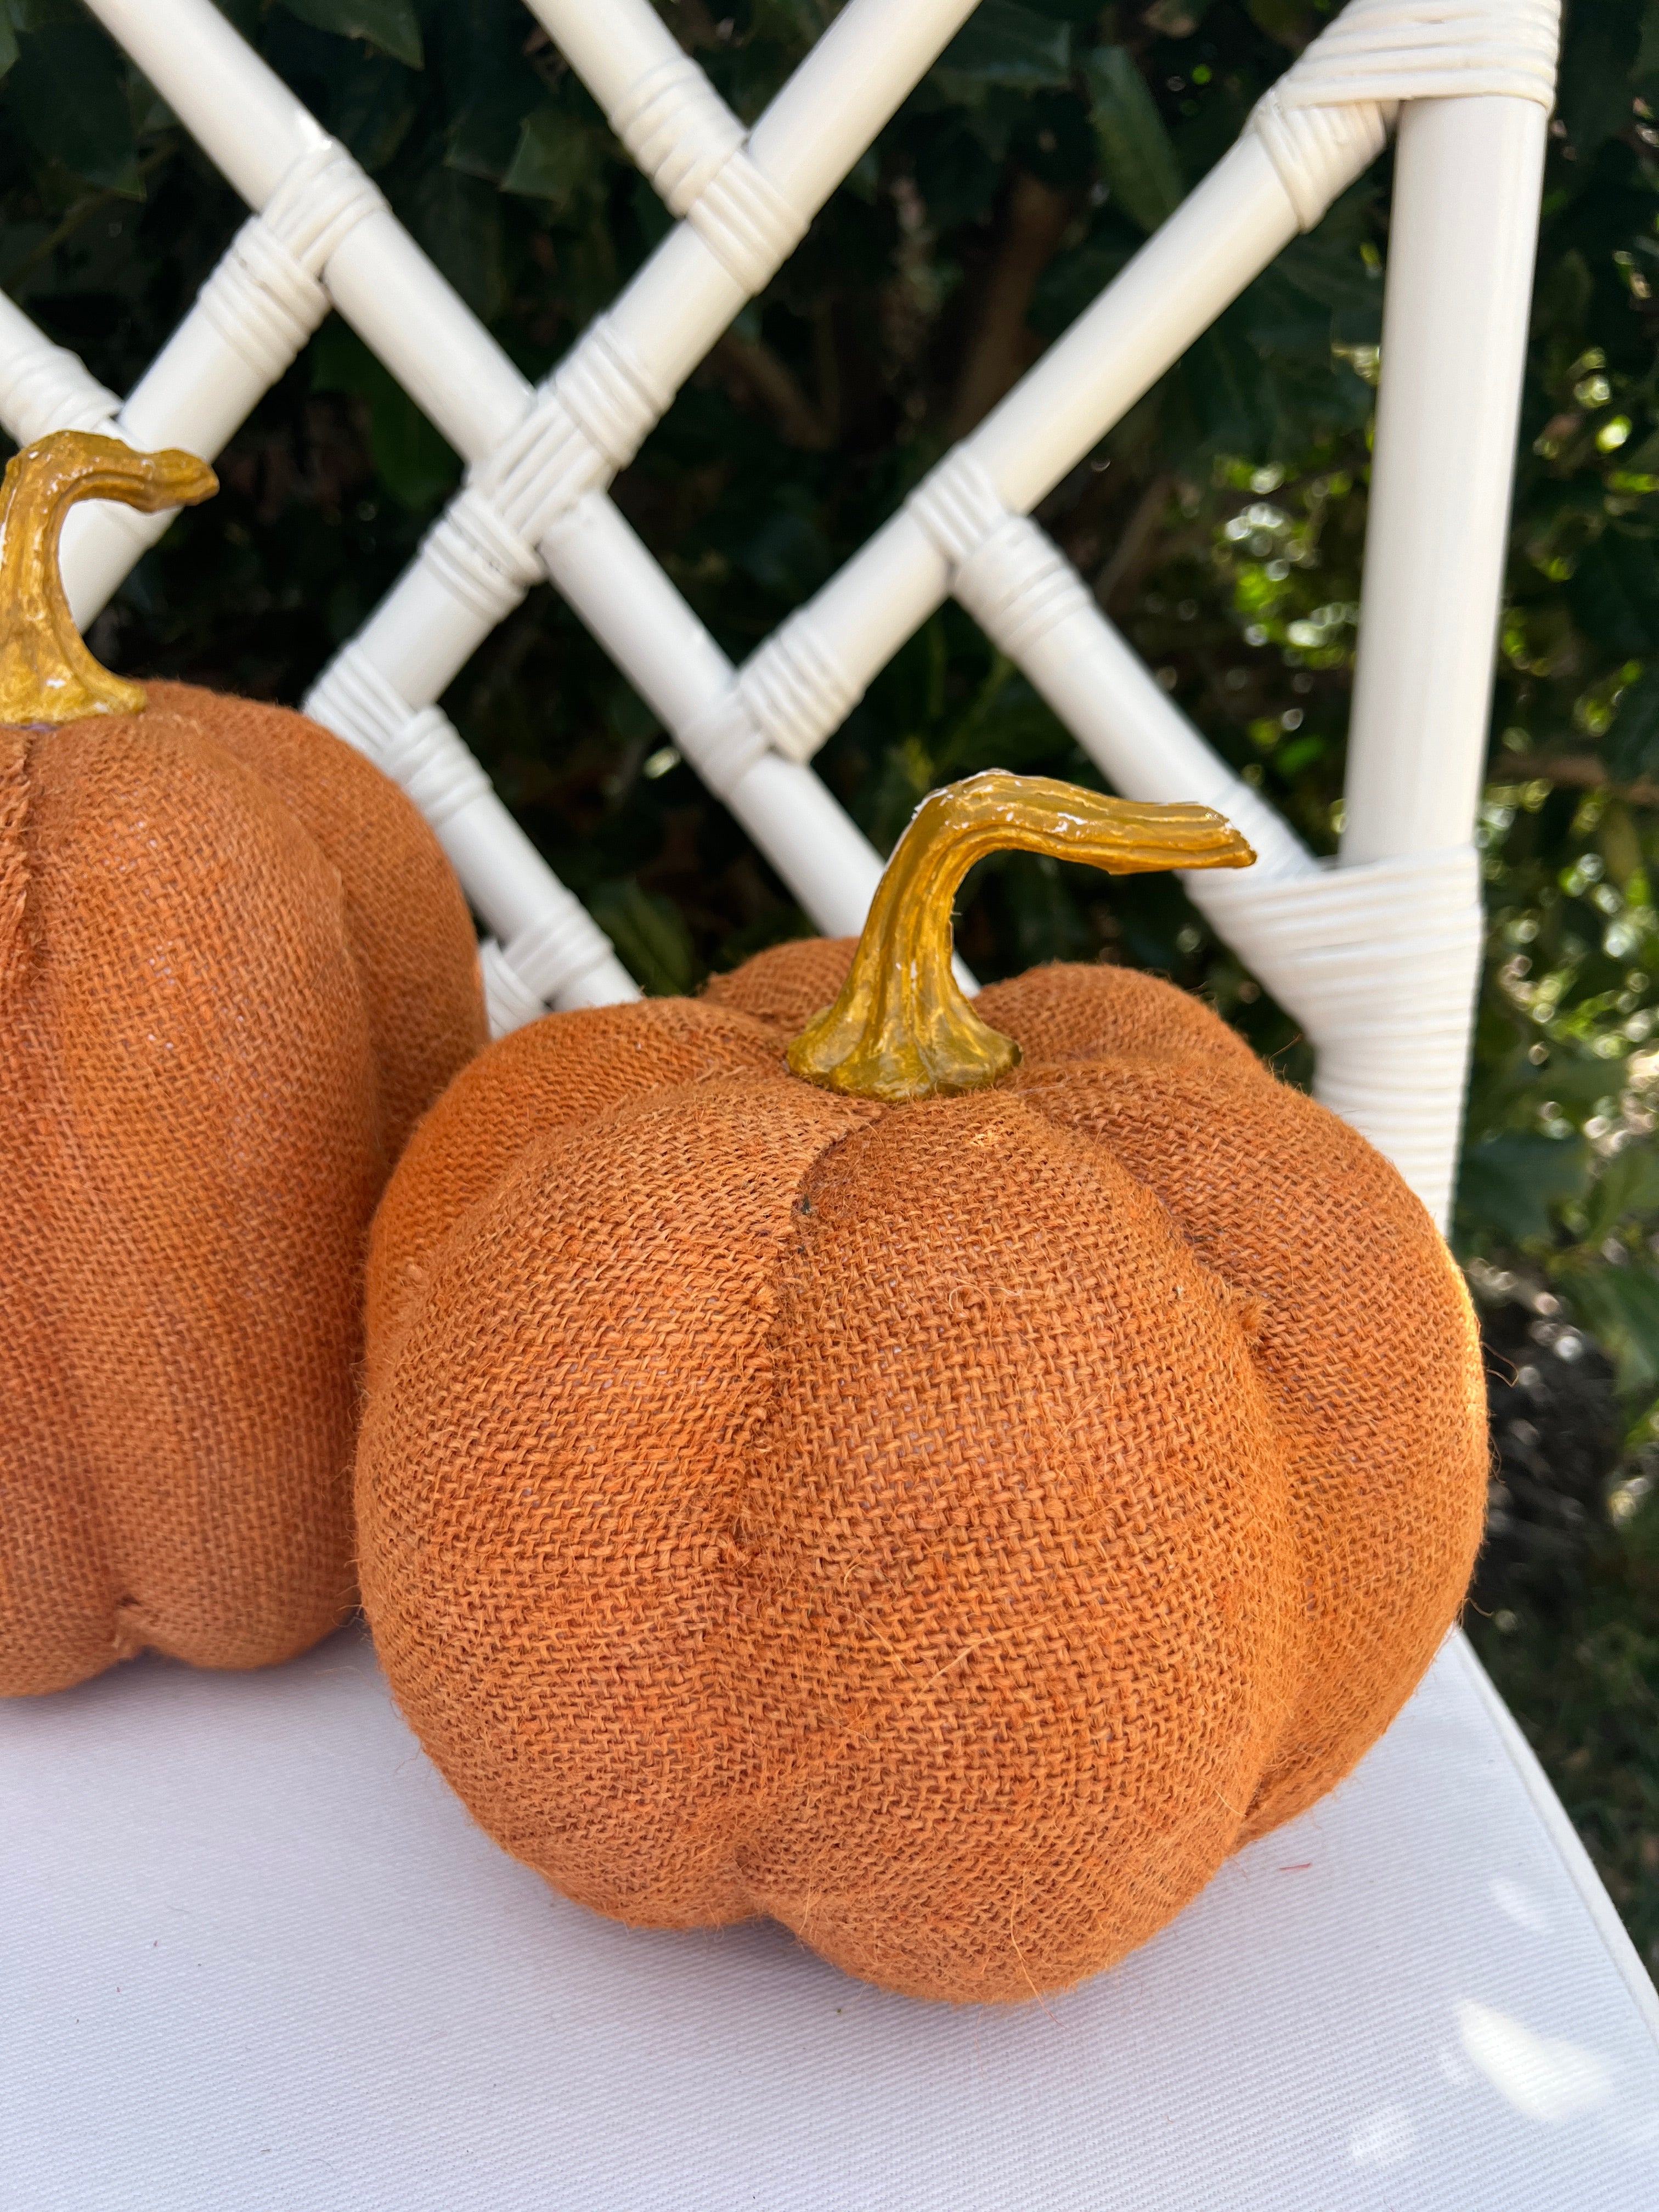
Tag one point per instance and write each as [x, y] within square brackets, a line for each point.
[256, 1956]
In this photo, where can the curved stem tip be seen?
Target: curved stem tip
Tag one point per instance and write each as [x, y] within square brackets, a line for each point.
[47, 673]
[903, 1027]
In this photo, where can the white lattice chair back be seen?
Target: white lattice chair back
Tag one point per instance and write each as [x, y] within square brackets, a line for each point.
[1377, 956]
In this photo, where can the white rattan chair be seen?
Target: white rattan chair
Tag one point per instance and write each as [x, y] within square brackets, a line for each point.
[261, 1955]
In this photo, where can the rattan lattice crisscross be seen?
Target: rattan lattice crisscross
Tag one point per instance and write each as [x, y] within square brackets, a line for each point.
[1380, 948]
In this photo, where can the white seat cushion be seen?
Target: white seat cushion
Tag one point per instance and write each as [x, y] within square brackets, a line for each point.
[255, 1954]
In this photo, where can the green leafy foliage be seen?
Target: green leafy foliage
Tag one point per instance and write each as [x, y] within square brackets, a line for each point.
[1509, 1182]
[553, 162]
[411, 460]
[1002, 43]
[392, 25]
[649, 934]
[1632, 747]
[1220, 525]
[1137, 159]
[67, 93]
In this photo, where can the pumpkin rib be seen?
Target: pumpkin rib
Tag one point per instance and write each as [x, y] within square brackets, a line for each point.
[425, 1016]
[1368, 1347]
[559, 1073]
[210, 1316]
[511, 1533]
[1068, 1011]
[785, 985]
[931, 1916]
[58, 1591]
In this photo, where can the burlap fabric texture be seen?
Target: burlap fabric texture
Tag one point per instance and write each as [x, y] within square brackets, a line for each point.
[234, 970]
[949, 1528]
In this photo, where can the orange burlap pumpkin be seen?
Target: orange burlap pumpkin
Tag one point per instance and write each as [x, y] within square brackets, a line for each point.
[235, 968]
[951, 1527]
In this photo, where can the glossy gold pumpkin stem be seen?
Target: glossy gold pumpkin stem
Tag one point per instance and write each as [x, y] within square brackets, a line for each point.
[903, 1027]
[46, 674]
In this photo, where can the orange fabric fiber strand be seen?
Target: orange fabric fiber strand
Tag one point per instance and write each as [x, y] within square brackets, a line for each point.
[235, 968]
[950, 1527]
